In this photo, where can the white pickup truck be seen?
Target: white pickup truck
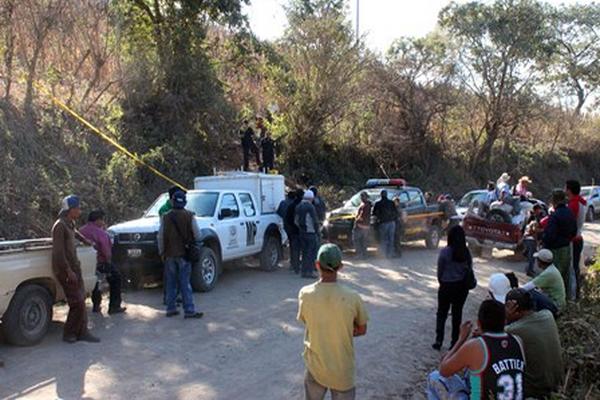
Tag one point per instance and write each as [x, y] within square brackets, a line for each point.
[236, 214]
[28, 289]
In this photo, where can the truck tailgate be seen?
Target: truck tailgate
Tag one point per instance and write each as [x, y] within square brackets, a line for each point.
[491, 232]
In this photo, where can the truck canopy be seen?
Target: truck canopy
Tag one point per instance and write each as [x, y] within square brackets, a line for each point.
[268, 190]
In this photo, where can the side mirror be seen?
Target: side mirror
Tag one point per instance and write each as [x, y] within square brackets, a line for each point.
[226, 213]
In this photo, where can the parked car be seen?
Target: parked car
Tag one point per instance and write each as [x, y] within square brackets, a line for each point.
[592, 196]
[424, 221]
[28, 288]
[236, 214]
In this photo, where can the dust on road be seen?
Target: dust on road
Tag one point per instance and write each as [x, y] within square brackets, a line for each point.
[248, 344]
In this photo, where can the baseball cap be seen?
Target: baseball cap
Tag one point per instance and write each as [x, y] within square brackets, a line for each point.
[179, 200]
[544, 255]
[330, 257]
[69, 202]
[499, 286]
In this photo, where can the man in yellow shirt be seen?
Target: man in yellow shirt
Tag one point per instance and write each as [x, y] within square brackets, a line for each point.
[332, 314]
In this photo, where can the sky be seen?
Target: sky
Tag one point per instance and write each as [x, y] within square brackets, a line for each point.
[381, 21]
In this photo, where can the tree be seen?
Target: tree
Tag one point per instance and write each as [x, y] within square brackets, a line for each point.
[417, 79]
[575, 62]
[316, 82]
[496, 46]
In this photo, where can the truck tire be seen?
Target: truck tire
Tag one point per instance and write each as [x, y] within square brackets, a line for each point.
[499, 216]
[28, 316]
[271, 253]
[475, 249]
[433, 237]
[205, 272]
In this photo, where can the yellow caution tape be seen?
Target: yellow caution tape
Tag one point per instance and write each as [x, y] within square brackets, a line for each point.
[409, 217]
[105, 137]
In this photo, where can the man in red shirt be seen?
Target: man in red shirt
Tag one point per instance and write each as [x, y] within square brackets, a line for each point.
[577, 205]
[95, 231]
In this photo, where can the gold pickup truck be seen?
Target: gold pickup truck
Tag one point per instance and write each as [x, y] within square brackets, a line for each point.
[28, 288]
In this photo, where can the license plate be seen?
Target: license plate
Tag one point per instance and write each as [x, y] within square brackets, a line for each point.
[134, 253]
[342, 237]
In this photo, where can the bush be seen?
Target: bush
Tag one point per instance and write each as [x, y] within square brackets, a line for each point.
[581, 341]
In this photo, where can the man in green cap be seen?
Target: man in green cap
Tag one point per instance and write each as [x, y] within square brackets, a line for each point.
[333, 314]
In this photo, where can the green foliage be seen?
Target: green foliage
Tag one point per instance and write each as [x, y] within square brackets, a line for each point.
[581, 343]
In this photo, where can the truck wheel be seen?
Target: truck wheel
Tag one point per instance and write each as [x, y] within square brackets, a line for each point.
[270, 254]
[499, 216]
[433, 237]
[205, 272]
[28, 316]
[590, 214]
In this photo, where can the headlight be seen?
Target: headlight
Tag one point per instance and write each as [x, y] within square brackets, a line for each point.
[112, 235]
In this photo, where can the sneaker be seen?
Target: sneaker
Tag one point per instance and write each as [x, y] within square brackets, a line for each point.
[172, 313]
[69, 339]
[88, 337]
[118, 310]
[196, 315]
[437, 346]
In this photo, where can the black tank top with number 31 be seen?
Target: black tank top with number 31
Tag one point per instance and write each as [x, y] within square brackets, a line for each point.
[501, 378]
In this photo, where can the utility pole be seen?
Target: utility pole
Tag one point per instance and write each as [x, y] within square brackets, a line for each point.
[357, 20]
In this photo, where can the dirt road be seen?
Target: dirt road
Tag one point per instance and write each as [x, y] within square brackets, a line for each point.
[248, 345]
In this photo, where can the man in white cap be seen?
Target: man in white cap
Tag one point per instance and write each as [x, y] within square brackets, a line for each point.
[307, 221]
[549, 282]
[67, 270]
[498, 287]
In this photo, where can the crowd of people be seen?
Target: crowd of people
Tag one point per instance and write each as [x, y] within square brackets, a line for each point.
[303, 213]
[512, 351]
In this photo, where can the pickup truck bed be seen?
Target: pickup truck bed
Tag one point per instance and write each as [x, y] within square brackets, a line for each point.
[28, 289]
[485, 233]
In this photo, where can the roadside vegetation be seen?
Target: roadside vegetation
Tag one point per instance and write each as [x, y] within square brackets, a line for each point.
[580, 334]
[498, 86]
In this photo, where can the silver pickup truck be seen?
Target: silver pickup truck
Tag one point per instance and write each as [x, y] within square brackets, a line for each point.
[28, 288]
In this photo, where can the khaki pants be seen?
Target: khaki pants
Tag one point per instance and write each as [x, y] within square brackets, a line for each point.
[314, 391]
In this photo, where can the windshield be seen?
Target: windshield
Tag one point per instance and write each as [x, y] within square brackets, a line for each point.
[203, 204]
[374, 195]
[469, 197]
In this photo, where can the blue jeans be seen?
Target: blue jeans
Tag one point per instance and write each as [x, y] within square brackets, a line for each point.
[308, 242]
[178, 271]
[360, 237]
[530, 249]
[543, 302]
[453, 388]
[387, 233]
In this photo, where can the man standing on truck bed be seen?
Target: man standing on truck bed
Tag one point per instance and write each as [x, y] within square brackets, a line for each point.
[386, 213]
[178, 229]
[67, 271]
[95, 230]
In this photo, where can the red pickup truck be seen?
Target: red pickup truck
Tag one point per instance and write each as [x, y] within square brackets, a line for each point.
[485, 233]
[495, 230]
